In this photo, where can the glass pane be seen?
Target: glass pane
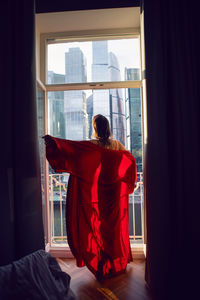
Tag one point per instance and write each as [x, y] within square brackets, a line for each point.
[57, 206]
[40, 114]
[70, 116]
[93, 61]
[134, 96]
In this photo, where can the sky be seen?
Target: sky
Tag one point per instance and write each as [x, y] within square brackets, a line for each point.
[126, 50]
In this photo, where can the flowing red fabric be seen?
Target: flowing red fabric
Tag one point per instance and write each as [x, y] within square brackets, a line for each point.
[97, 203]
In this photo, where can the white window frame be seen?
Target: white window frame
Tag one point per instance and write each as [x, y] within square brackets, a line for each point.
[138, 251]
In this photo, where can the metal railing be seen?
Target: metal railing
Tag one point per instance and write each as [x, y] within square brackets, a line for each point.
[57, 205]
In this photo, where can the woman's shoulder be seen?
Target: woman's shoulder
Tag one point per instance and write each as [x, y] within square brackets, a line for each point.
[117, 145]
[112, 144]
[96, 142]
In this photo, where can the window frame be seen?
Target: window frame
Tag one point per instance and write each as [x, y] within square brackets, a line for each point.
[74, 36]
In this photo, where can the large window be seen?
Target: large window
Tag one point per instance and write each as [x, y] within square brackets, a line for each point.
[85, 78]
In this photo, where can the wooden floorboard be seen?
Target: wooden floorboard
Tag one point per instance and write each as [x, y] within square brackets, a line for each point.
[128, 286]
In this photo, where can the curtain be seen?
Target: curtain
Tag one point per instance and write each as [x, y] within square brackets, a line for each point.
[172, 163]
[21, 228]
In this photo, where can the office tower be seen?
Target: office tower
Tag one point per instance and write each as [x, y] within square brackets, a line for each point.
[117, 102]
[101, 98]
[90, 115]
[56, 107]
[133, 100]
[100, 61]
[76, 119]
[75, 66]
[109, 103]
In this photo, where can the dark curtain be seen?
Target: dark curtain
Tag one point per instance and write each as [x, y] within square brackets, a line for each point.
[173, 151]
[21, 228]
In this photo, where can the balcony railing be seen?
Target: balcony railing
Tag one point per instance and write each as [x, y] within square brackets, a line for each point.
[57, 206]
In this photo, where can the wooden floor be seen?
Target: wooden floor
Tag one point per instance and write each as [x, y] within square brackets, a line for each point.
[127, 286]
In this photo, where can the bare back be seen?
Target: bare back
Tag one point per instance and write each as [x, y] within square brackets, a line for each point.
[113, 144]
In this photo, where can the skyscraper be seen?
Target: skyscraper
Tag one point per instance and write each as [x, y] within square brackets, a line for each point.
[133, 100]
[90, 115]
[100, 61]
[117, 102]
[75, 66]
[109, 103]
[101, 98]
[56, 107]
[76, 119]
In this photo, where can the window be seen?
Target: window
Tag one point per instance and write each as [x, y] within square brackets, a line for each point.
[84, 76]
[93, 61]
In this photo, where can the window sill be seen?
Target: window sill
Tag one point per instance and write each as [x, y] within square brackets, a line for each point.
[63, 251]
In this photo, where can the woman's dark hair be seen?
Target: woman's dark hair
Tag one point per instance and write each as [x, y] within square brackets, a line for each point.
[101, 127]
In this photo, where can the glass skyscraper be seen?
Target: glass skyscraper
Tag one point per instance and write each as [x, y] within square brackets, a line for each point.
[101, 98]
[109, 103]
[75, 110]
[133, 99]
[90, 115]
[75, 66]
[56, 107]
[117, 102]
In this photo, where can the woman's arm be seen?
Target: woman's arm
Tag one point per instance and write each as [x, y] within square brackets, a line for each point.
[55, 153]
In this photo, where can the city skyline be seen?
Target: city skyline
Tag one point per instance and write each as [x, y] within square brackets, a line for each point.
[111, 103]
[127, 51]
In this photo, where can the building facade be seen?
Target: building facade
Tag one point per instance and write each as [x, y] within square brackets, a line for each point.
[134, 117]
[56, 119]
[109, 103]
[75, 109]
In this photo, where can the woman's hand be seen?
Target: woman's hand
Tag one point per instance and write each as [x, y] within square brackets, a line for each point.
[48, 140]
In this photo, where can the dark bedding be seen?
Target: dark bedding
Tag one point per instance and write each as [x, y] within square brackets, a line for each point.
[35, 276]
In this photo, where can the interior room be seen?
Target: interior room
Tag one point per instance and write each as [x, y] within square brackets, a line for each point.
[163, 209]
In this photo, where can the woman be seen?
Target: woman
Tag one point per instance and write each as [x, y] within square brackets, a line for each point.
[103, 135]
[102, 175]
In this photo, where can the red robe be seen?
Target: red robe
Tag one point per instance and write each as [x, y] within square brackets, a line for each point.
[97, 203]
